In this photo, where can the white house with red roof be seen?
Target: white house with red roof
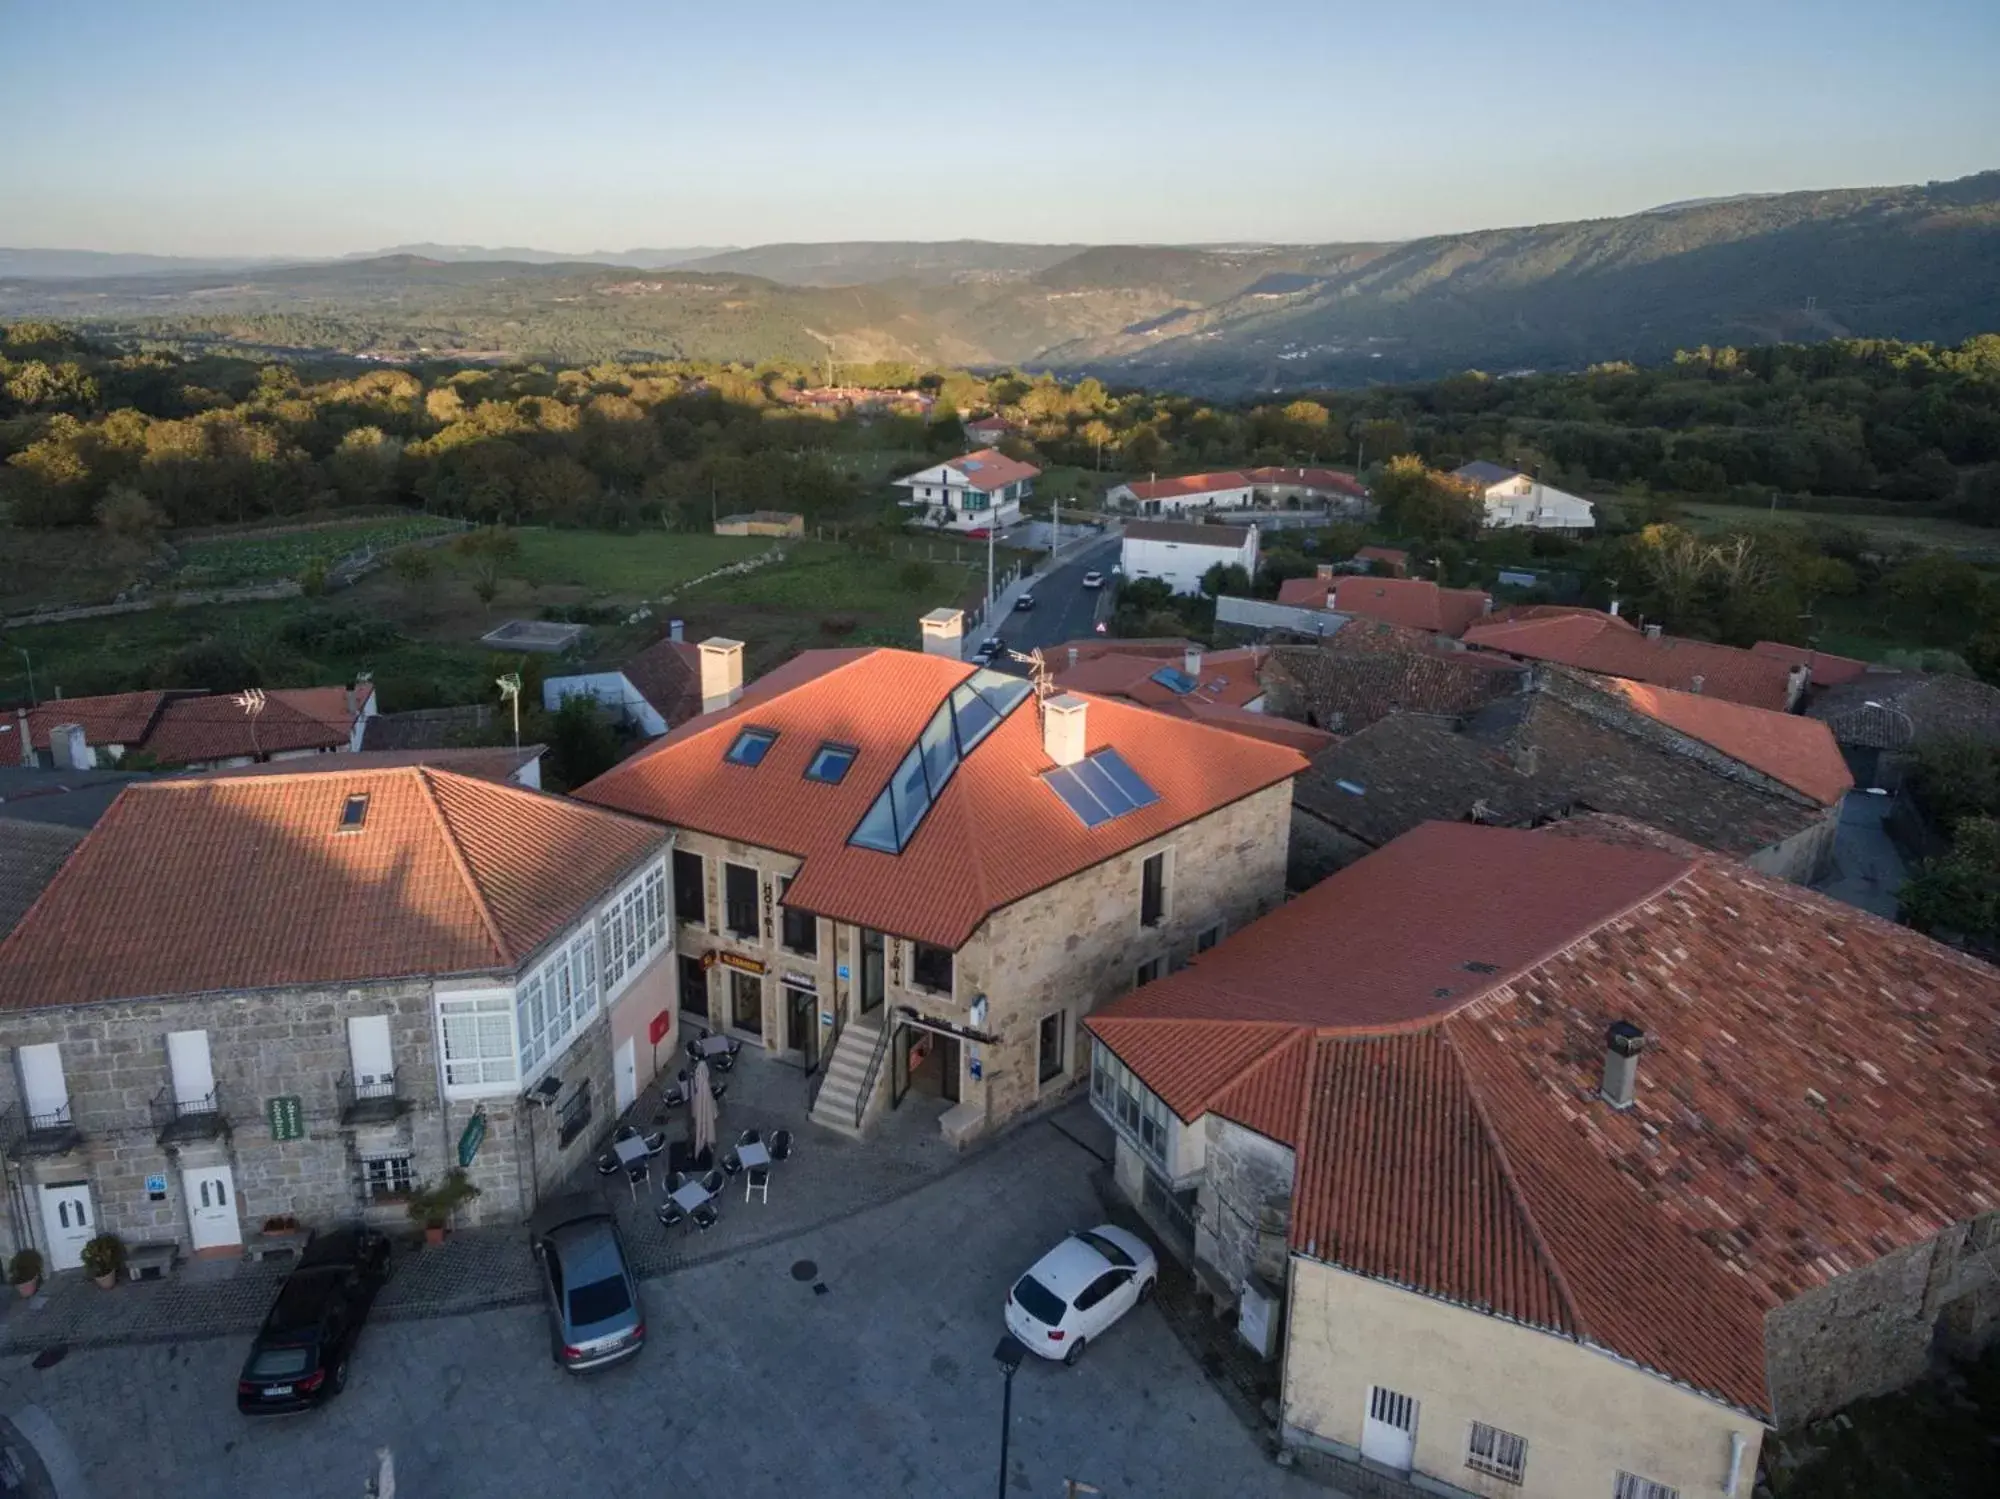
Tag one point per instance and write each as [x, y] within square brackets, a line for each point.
[977, 491]
[1230, 490]
[914, 878]
[1491, 1140]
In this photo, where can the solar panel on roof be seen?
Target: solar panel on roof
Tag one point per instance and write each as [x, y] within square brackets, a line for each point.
[1127, 779]
[1175, 680]
[1089, 811]
[1100, 785]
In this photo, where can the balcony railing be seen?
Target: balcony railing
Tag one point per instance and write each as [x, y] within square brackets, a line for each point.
[179, 1119]
[373, 1100]
[49, 1133]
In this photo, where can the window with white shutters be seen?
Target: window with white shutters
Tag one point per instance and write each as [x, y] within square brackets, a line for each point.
[1501, 1453]
[632, 927]
[1632, 1486]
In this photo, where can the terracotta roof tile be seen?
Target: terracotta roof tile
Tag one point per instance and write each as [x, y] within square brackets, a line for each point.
[667, 674]
[1599, 643]
[193, 885]
[1310, 478]
[996, 834]
[1396, 558]
[116, 718]
[1306, 593]
[1415, 602]
[484, 762]
[1368, 669]
[985, 470]
[1181, 485]
[1797, 751]
[1828, 670]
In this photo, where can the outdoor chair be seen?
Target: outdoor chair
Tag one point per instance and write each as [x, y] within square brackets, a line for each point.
[656, 1142]
[638, 1172]
[705, 1216]
[607, 1164]
[748, 1137]
[758, 1181]
[676, 1180]
[730, 1164]
[674, 1097]
[781, 1145]
[624, 1132]
[724, 1061]
[717, 1088]
[713, 1183]
[671, 1214]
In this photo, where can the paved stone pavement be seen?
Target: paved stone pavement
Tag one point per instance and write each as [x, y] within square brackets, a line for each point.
[751, 1384]
[829, 1177]
[1867, 870]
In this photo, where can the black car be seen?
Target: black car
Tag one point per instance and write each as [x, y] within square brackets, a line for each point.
[1024, 603]
[301, 1353]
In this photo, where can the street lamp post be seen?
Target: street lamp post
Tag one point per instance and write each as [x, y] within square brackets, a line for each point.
[33, 701]
[1008, 1356]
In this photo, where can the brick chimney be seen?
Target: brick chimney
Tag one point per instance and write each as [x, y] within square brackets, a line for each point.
[71, 749]
[721, 673]
[944, 632]
[1063, 728]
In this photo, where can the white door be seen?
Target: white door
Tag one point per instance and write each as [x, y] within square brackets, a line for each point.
[67, 1223]
[187, 1059]
[368, 1046]
[1389, 1435]
[43, 1088]
[625, 1074]
[211, 1195]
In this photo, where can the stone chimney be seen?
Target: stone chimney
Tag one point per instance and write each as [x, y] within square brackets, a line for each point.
[1697, 684]
[675, 631]
[1191, 662]
[1072, 655]
[721, 673]
[1652, 632]
[944, 632]
[1062, 728]
[1622, 1044]
[27, 740]
[1796, 682]
[71, 750]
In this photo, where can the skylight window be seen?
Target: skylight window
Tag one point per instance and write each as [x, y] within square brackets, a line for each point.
[830, 763]
[1175, 680]
[972, 711]
[751, 746]
[354, 812]
[1101, 787]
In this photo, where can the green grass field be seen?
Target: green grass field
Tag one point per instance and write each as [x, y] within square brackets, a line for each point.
[822, 578]
[1929, 532]
[643, 565]
[226, 561]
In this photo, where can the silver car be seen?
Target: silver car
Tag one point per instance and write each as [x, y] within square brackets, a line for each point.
[594, 1312]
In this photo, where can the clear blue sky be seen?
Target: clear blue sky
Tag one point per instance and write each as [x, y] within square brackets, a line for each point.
[280, 128]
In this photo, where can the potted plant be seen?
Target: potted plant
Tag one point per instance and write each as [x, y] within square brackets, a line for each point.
[433, 1206]
[103, 1258]
[24, 1271]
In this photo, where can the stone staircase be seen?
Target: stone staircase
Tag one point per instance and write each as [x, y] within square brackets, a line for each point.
[845, 1073]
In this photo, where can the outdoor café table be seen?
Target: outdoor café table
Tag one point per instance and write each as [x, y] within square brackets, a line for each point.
[630, 1152]
[690, 1197]
[753, 1155]
[713, 1046]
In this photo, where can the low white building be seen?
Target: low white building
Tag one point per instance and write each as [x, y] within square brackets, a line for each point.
[659, 689]
[1179, 553]
[1514, 499]
[1156, 496]
[977, 491]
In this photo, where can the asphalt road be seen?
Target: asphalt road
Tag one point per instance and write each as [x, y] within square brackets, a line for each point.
[1064, 608]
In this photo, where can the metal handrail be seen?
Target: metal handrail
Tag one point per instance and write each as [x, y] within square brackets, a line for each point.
[169, 1109]
[56, 1118]
[874, 1068]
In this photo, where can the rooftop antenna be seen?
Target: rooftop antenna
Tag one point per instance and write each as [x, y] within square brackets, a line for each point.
[252, 701]
[510, 689]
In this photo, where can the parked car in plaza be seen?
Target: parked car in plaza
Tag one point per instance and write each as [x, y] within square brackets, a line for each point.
[593, 1301]
[1078, 1289]
[301, 1353]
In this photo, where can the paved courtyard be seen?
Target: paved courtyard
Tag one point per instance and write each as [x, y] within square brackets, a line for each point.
[753, 1382]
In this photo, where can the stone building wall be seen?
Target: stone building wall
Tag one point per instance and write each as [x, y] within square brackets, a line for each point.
[1244, 1204]
[1876, 1329]
[1318, 849]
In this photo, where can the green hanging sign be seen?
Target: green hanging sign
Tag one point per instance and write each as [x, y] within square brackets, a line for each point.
[472, 1137]
[286, 1116]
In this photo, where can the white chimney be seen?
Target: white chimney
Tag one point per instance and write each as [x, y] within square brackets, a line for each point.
[1191, 662]
[1652, 632]
[1062, 728]
[72, 751]
[1072, 655]
[1622, 1044]
[721, 673]
[1698, 683]
[674, 631]
[27, 740]
[1614, 608]
[944, 632]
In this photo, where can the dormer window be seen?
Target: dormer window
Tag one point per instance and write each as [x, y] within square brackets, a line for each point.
[751, 746]
[354, 812]
[830, 763]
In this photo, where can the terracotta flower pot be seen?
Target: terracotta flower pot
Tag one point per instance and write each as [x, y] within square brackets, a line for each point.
[107, 1281]
[433, 1235]
[28, 1288]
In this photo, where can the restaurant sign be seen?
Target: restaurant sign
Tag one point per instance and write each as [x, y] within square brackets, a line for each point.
[286, 1116]
[472, 1137]
[740, 963]
[801, 981]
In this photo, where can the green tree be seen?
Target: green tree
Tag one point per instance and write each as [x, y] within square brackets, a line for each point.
[1226, 577]
[1417, 501]
[128, 515]
[582, 745]
[1959, 893]
[1940, 599]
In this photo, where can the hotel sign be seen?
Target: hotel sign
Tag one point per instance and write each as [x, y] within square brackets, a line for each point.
[740, 963]
[801, 981]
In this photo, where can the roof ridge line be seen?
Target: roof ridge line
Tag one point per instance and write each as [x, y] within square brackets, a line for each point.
[423, 774]
[1256, 1064]
[1543, 1253]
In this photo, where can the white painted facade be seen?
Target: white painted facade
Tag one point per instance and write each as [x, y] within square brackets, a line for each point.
[1522, 501]
[613, 692]
[1181, 563]
[955, 495]
[1231, 497]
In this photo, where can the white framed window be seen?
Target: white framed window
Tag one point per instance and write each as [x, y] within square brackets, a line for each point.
[631, 927]
[1632, 1486]
[1132, 1108]
[386, 1178]
[476, 1034]
[1500, 1453]
[557, 1000]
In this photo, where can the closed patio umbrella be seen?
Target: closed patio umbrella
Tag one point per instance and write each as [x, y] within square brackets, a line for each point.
[702, 1111]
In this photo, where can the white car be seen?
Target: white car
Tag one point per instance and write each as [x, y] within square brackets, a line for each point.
[1078, 1289]
[1093, 580]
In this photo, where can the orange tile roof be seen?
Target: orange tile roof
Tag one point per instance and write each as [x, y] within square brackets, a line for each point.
[1229, 683]
[1307, 593]
[995, 835]
[1415, 602]
[1610, 647]
[1828, 670]
[1186, 484]
[215, 727]
[1800, 752]
[1310, 478]
[985, 470]
[115, 718]
[667, 674]
[486, 762]
[203, 884]
[1785, 1132]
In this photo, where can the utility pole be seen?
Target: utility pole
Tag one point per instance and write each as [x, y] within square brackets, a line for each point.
[989, 577]
[1055, 546]
[33, 701]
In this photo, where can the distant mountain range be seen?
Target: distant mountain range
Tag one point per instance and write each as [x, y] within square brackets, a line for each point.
[1906, 262]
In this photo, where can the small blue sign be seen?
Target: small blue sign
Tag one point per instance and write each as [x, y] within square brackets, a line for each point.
[843, 970]
[156, 1186]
